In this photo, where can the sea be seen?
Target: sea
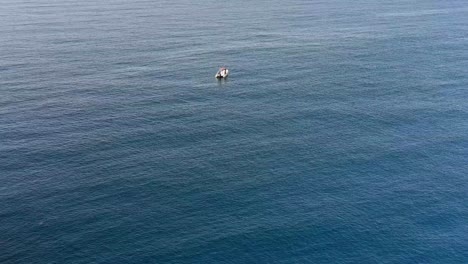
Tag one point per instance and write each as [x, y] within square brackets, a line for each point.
[340, 136]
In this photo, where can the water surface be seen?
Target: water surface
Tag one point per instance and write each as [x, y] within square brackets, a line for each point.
[340, 136]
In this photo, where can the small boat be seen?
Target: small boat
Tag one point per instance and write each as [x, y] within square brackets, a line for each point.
[222, 73]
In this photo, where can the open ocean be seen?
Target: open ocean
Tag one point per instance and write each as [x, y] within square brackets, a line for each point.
[341, 135]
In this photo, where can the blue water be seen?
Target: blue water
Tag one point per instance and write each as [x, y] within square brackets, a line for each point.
[341, 135]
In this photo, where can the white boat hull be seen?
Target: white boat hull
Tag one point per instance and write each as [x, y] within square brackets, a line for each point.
[222, 74]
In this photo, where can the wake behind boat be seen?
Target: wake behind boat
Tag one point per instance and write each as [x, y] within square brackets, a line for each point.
[222, 73]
